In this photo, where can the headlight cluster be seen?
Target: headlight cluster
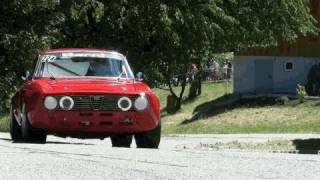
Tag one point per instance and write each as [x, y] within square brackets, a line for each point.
[65, 103]
[140, 104]
[125, 103]
[50, 103]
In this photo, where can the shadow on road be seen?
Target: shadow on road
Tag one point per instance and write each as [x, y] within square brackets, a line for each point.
[307, 146]
[51, 142]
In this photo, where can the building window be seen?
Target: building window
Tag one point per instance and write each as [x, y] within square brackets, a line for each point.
[289, 66]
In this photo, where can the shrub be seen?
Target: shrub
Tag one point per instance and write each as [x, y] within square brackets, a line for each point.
[301, 91]
[313, 83]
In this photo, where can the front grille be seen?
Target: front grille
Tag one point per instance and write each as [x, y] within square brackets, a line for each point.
[98, 102]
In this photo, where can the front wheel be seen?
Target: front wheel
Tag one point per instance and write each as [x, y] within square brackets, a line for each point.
[121, 141]
[15, 129]
[149, 139]
[29, 134]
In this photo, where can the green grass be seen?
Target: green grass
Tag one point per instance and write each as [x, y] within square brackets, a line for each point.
[4, 123]
[303, 146]
[280, 145]
[205, 115]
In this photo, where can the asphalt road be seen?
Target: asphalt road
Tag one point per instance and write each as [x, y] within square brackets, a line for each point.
[178, 158]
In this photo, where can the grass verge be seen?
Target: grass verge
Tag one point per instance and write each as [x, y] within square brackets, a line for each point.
[208, 114]
[301, 146]
[269, 145]
[4, 123]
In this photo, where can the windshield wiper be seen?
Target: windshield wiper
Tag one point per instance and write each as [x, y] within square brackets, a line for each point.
[123, 71]
[49, 72]
[119, 77]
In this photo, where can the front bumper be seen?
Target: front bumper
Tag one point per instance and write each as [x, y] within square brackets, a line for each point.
[101, 122]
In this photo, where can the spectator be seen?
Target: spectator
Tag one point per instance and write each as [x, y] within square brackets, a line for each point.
[211, 72]
[206, 71]
[225, 70]
[193, 72]
[229, 70]
[216, 68]
[139, 76]
[195, 82]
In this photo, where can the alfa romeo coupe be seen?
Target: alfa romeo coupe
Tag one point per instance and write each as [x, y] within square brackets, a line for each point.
[85, 93]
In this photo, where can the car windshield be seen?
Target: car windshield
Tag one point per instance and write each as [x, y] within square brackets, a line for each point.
[83, 65]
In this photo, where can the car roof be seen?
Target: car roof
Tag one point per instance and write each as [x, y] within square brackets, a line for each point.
[65, 50]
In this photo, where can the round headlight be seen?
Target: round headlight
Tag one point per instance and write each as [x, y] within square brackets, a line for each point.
[141, 103]
[66, 103]
[50, 103]
[125, 103]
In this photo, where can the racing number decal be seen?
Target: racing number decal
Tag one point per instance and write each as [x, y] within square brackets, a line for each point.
[48, 58]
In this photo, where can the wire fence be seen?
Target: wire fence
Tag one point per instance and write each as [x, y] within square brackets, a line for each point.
[213, 75]
[206, 75]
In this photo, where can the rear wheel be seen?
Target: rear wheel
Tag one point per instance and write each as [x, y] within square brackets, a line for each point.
[15, 129]
[121, 141]
[29, 134]
[149, 139]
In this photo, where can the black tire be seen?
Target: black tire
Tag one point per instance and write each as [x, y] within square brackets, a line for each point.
[121, 141]
[149, 139]
[15, 129]
[29, 134]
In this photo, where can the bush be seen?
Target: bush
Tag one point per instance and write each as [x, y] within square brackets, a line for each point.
[282, 100]
[301, 91]
[313, 84]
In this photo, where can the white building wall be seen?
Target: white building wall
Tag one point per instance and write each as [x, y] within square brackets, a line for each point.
[287, 81]
[243, 81]
[283, 81]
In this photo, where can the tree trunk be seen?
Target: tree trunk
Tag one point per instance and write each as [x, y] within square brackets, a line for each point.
[171, 104]
[193, 90]
[171, 99]
[178, 99]
[183, 87]
[199, 86]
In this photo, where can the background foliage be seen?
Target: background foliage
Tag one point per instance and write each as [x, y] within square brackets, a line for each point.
[160, 37]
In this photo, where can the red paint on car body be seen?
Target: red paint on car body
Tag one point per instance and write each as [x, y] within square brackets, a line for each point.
[102, 122]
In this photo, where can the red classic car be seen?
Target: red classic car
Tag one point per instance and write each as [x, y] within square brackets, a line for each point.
[85, 93]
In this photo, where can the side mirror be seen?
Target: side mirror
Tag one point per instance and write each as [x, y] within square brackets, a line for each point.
[26, 76]
[139, 76]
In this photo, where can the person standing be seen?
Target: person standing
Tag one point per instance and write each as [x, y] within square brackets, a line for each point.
[210, 71]
[229, 70]
[225, 70]
[195, 82]
[193, 72]
[216, 67]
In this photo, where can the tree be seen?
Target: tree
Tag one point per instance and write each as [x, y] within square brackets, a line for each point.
[163, 35]
[26, 27]
[167, 36]
[190, 29]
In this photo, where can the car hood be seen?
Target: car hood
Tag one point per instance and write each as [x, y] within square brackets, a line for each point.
[69, 86]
